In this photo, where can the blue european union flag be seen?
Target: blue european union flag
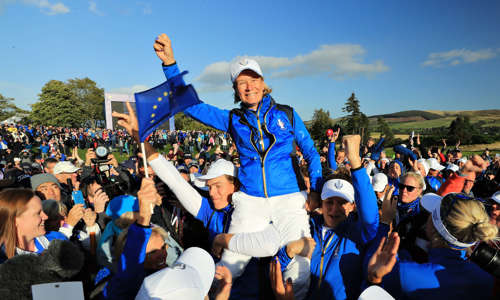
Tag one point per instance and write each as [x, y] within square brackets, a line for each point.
[162, 102]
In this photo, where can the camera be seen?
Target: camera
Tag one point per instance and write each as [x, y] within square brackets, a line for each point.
[101, 153]
[488, 258]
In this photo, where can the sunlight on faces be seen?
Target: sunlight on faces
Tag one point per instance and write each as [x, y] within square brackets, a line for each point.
[335, 210]
[421, 169]
[30, 224]
[156, 252]
[220, 190]
[394, 170]
[407, 196]
[250, 88]
[50, 190]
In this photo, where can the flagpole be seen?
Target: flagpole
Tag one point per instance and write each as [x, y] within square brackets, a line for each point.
[144, 160]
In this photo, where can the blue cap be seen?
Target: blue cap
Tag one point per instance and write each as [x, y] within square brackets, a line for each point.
[122, 204]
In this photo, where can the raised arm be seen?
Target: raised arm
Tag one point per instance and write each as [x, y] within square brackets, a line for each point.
[331, 149]
[190, 199]
[165, 170]
[364, 196]
[306, 144]
[204, 113]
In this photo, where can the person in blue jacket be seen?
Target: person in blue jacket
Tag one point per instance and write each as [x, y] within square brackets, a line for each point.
[143, 251]
[340, 234]
[215, 212]
[348, 223]
[457, 222]
[265, 134]
[22, 229]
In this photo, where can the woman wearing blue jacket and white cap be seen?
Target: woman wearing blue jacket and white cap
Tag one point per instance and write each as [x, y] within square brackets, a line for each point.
[340, 234]
[457, 222]
[265, 134]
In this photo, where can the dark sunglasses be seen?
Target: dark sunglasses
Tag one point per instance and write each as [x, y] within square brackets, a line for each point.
[408, 187]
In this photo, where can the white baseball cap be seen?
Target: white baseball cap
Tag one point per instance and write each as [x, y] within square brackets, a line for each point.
[434, 164]
[379, 182]
[243, 64]
[375, 292]
[453, 167]
[496, 197]
[189, 278]
[432, 203]
[462, 160]
[219, 168]
[65, 167]
[338, 188]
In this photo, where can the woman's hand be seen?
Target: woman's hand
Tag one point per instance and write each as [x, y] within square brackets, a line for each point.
[388, 207]
[303, 247]
[147, 196]
[163, 49]
[89, 217]
[351, 145]
[128, 121]
[75, 214]
[221, 242]
[225, 278]
[384, 259]
[280, 290]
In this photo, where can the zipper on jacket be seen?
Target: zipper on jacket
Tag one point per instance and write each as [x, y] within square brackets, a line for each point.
[263, 151]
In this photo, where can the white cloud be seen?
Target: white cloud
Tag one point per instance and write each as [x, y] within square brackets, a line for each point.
[336, 61]
[47, 7]
[457, 57]
[129, 89]
[93, 9]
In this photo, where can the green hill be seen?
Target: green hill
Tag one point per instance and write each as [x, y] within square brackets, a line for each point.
[419, 119]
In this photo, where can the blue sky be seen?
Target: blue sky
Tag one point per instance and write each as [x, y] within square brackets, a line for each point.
[395, 55]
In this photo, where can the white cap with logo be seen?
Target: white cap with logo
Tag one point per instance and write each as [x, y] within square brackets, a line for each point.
[243, 64]
[189, 278]
[338, 188]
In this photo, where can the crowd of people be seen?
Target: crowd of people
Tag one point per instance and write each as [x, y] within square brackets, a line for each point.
[254, 210]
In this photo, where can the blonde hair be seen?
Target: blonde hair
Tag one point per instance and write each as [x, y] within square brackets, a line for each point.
[418, 178]
[267, 91]
[468, 222]
[122, 239]
[125, 220]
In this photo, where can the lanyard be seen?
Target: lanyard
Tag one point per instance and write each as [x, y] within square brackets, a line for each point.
[323, 250]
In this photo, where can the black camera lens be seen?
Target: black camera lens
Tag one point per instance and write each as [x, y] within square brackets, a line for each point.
[101, 152]
[488, 258]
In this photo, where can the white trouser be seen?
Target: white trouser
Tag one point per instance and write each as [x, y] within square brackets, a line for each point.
[254, 215]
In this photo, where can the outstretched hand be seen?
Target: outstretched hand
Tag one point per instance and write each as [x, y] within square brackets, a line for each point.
[384, 259]
[128, 121]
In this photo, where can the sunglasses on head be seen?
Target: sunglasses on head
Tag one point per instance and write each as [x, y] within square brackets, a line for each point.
[408, 187]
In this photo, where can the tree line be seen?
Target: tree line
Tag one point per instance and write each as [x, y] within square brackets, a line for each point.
[79, 102]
